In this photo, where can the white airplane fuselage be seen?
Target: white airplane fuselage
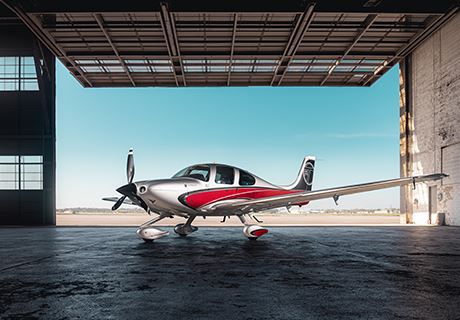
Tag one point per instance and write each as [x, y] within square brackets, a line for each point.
[223, 190]
[186, 196]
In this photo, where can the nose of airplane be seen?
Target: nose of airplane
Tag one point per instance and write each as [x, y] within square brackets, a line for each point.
[127, 189]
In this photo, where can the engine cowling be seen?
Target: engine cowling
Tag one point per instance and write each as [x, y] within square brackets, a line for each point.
[151, 233]
[254, 231]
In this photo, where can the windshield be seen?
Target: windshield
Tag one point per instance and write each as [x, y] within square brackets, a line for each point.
[198, 172]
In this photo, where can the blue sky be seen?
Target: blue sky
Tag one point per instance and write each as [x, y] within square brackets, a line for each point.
[353, 132]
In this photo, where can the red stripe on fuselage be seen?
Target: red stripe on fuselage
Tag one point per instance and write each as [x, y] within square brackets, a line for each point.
[202, 198]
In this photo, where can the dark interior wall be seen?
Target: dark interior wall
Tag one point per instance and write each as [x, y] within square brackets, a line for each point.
[27, 127]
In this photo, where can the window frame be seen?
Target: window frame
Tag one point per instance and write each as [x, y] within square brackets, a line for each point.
[23, 77]
[27, 171]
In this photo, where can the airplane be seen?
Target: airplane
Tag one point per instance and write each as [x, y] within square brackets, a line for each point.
[213, 189]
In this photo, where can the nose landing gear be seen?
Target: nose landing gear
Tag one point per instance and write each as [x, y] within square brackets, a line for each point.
[148, 233]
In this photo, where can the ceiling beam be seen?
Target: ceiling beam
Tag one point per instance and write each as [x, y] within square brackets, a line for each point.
[224, 55]
[366, 25]
[293, 43]
[100, 22]
[232, 48]
[170, 35]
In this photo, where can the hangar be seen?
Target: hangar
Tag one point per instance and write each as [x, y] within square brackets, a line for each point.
[237, 43]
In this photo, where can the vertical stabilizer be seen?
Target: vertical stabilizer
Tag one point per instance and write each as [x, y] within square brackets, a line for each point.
[304, 179]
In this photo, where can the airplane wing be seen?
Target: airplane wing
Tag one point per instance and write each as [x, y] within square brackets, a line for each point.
[115, 199]
[247, 206]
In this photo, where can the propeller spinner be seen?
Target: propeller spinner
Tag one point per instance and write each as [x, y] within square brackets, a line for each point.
[130, 188]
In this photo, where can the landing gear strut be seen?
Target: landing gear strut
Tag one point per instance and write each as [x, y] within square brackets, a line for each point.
[148, 233]
[252, 231]
[184, 229]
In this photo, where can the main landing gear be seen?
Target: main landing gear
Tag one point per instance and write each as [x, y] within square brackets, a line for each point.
[184, 229]
[252, 231]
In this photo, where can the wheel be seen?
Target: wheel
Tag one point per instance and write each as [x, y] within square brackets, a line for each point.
[178, 229]
[148, 240]
[252, 238]
[253, 232]
[183, 232]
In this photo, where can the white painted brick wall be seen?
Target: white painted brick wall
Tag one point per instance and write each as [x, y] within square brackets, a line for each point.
[435, 95]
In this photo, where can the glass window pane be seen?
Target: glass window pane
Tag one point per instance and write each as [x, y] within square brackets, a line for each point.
[8, 168]
[11, 61]
[92, 69]
[241, 68]
[31, 159]
[139, 69]
[29, 85]
[114, 69]
[225, 175]
[10, 71]
[9, 176]
[31, 185]
[217, 68]
[246, 179]
[109, 61]
[296, 68]
[162, 68]
[27, 60]
[86, 61]
[159, 61]
[9, 85]
[199, 172]
[28, 71]
[9, 159]
[8, 185]
[32, 168]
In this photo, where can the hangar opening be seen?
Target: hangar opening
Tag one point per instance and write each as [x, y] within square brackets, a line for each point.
[177, 44]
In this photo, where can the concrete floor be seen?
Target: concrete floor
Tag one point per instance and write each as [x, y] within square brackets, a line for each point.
[291, 273]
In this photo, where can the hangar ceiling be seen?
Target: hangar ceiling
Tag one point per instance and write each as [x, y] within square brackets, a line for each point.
[260, 43]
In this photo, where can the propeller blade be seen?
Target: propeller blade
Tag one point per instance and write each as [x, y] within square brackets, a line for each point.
[130, 166]
[118, 203]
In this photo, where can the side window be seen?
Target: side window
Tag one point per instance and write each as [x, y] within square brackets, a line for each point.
[225, 175]
[246, 179]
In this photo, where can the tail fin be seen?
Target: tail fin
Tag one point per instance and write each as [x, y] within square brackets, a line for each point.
[304, 179]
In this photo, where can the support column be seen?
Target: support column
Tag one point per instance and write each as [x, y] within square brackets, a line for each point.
[406, 126]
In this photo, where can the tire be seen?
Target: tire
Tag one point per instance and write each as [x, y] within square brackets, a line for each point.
[148, 240]
[180, 225]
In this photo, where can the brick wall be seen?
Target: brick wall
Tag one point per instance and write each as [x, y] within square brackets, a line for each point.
[433, 134]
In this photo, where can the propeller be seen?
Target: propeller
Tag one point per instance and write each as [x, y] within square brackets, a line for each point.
[130, 188]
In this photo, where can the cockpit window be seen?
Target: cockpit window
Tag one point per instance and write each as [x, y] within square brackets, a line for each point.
[246, 179]
[198, 172]
[225, 175]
